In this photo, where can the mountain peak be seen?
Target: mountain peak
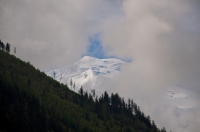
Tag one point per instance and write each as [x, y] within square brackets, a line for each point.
[88, 58]
[87, 70]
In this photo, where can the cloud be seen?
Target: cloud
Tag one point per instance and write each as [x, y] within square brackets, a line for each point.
[158, 44]
[52, 34]
[164, 43]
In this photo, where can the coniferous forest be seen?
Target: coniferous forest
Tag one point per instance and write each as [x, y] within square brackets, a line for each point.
[32, 101]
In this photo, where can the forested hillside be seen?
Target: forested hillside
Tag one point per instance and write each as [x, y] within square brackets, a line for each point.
[32, 101]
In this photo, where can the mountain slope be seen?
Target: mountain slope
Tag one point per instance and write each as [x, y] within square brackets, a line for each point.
[32, 101]
[87, 70]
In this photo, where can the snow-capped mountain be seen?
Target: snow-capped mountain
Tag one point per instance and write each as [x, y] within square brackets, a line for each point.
[87, 70]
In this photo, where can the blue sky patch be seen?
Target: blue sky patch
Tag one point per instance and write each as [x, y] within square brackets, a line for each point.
[95, 49]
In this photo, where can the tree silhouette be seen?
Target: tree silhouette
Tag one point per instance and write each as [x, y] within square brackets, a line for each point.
[2, 46]
[54, 74]
[8, 47]
[71, 83]
[74, 86]
[81, 91]
[15, 50]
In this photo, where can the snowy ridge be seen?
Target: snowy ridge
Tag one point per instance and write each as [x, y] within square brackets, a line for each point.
[87, 70]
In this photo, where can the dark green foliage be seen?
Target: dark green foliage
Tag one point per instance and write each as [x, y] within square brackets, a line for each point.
[2, 46]
[32, 101]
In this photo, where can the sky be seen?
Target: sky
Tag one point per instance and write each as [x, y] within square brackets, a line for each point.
[161, 37]
[95, 48]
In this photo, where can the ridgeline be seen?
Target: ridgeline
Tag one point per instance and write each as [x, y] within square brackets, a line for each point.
[30, 101]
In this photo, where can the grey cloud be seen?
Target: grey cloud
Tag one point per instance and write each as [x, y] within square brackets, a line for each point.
[164, 43]
[161, 48]
[52, 34]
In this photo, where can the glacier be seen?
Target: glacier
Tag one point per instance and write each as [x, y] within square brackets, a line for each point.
[87, 70]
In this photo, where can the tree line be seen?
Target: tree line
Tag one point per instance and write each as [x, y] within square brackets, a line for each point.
[6, 47]
[115, 105]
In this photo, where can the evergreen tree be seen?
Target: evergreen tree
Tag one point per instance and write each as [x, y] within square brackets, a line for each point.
[74, 86]
[81, 91]
[86, 95]
[129, 106]
[106, 98]
[54, 74]
[15, 50]
[163, 129]
[2, 46]
[8, 47]
[71, 83]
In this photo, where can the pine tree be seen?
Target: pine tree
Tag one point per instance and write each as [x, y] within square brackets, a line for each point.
[106, 98]
[54, 74]
[2, 46]
[71, 83]
[15, 50]
[163, 129]
[81, 91]
[8, 47]
[74, 86]
[1, 43]
[86, 95]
